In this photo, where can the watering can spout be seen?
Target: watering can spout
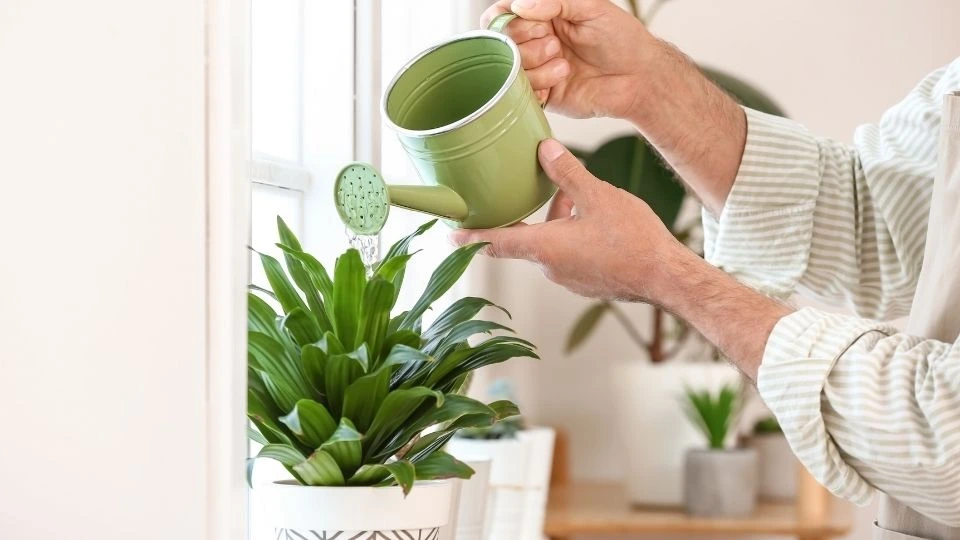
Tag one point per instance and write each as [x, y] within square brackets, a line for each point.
[436, 200]
[363, 199]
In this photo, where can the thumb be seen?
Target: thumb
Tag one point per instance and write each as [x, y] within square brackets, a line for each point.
[565, 170]
[545, 10]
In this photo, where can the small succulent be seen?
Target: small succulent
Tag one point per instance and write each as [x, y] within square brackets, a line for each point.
[343, 392]
[506, 428]
[714, 414]
[766, 426]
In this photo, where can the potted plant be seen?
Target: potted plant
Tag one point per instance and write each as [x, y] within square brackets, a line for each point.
[521, 458]
[718, 481]
[357, 402]
[675, 356]
[777, 465]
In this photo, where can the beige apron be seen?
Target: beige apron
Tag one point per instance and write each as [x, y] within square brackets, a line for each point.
[936, 306]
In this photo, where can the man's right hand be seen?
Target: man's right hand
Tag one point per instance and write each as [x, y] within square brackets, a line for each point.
[584, 58]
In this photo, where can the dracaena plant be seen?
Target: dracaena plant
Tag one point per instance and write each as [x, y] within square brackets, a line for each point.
[344, 392]
[714, 415]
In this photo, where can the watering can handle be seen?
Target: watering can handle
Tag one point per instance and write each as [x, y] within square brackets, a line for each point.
[501, 21]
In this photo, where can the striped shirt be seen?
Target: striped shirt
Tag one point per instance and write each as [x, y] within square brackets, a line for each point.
[863, 406]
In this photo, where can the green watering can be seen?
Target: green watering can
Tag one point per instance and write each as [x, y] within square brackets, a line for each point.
[469, 120]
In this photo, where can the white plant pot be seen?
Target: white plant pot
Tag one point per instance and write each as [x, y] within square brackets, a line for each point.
[294, 512]
[519, 481]
[468, 512]
[655, 433]
[777, 466]
[720, 483]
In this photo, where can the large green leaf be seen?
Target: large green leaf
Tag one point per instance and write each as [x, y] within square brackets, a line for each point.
[461, 411]
[585, 324]
[263, 413]
[349, 278]
[310, 422]
[281, 373]
[288, 243]
[316, 271]
[377, 302]
[320, 469]
[445, 275]
[461, 310]
[363, 398]
[344, 447]
[302, 326]
[286, 294]
[441, 465]
[286, 455]
[314, 361]
[393, 270]
[460, 333]
[341, 371]
[408, 338]
[261, 317]
[402, 246]
[412, 364]
[491, 351]
[402, 473]
[395, 412]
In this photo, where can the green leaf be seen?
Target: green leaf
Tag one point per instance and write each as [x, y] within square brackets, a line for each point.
[392, 270]
[342, 370]
[310, 422]
[262, 318]
[314, 361]
[714, 417]
[585, 325]
[261, 290]
[315, 270]
[491, 351]
[459, 411]
[403, 337]
[504, 408]
[287, 455]
[412, 362]
[349, 280]
[262, 413]
[288, 243]
[402, 246]
[461, 310]
[395, 412]
[445, 275]
[286, 294]
[375, 309]
[344, 447]
[364, 396]
[440, 465]
[302, 326]
[320, 469]
[461, 333]
[402, 473]
[254, 435]
[281, 373]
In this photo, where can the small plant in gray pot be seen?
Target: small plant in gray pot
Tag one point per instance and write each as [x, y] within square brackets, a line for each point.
[718, 481]
[778, 467]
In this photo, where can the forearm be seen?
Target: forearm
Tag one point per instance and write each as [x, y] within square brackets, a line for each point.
[696, 126]
[730, 315]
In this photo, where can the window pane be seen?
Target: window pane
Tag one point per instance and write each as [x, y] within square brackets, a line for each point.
[268, 202]
[276, 78]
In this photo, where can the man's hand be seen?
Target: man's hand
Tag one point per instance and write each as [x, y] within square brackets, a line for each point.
[602, 242]
[584, 58]
[612, 246]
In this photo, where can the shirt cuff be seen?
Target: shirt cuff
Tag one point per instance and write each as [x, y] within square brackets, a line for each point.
[763, 235]
[800, 353]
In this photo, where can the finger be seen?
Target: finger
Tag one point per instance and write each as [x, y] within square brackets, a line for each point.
[542, 95]
[561, 207]
[567, 172]
[519, 241]
[548, 75]
[538, 52]
[569, 10]
[521, 31]
[498, 8]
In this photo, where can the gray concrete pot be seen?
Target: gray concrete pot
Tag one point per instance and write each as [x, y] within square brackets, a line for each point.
[720, 483]
[777, 466]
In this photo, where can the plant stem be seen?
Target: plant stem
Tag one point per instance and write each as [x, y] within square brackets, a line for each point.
[624, 321]
[656, 344]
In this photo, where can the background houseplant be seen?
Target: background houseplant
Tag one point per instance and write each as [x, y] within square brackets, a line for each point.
[521, 459]
[777, 467]
[651, 428]
[718, 481]
[342, 392]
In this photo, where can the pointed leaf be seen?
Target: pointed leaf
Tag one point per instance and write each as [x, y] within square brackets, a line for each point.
[345, 448]
[461, 310]
[585, 324]
[349, 278]
[302, 326]
[445, 275]
[287, 455]
[504, 408]
[440, 465]
[364, 396]
[316, 271]
[286, 294]
[375, 309]
[461, 333]
[342, 370]
[288, 243]
[320, 469]
[254, 435]
[401, 472]
[403, 337]
[310, 422]
[281, 373]
[395, 412]
[261, 317]
[314, 361]
[402, 246]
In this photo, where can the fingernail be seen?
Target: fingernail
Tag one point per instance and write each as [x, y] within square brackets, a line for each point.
[553, 47]
[550, 149]
[523, 4]
[562, 69]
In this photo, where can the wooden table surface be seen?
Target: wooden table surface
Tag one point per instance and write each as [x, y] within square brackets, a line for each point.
[601, 509]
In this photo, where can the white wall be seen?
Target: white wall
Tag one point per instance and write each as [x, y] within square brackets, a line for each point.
[831, 64]
[102, 223]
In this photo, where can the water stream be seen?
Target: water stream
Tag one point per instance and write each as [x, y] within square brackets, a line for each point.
[369, 248]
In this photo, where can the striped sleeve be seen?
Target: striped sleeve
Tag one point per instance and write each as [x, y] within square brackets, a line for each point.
[845, 224]
[866, 407]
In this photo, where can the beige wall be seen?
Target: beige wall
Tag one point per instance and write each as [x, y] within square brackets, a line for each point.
[831, 64]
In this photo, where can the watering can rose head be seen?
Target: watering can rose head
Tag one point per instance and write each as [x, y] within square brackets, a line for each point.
[342, 391]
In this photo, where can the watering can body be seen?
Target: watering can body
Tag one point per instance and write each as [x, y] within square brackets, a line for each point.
[470, 122]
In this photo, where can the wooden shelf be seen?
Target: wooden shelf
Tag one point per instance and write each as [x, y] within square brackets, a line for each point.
[603, 509]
